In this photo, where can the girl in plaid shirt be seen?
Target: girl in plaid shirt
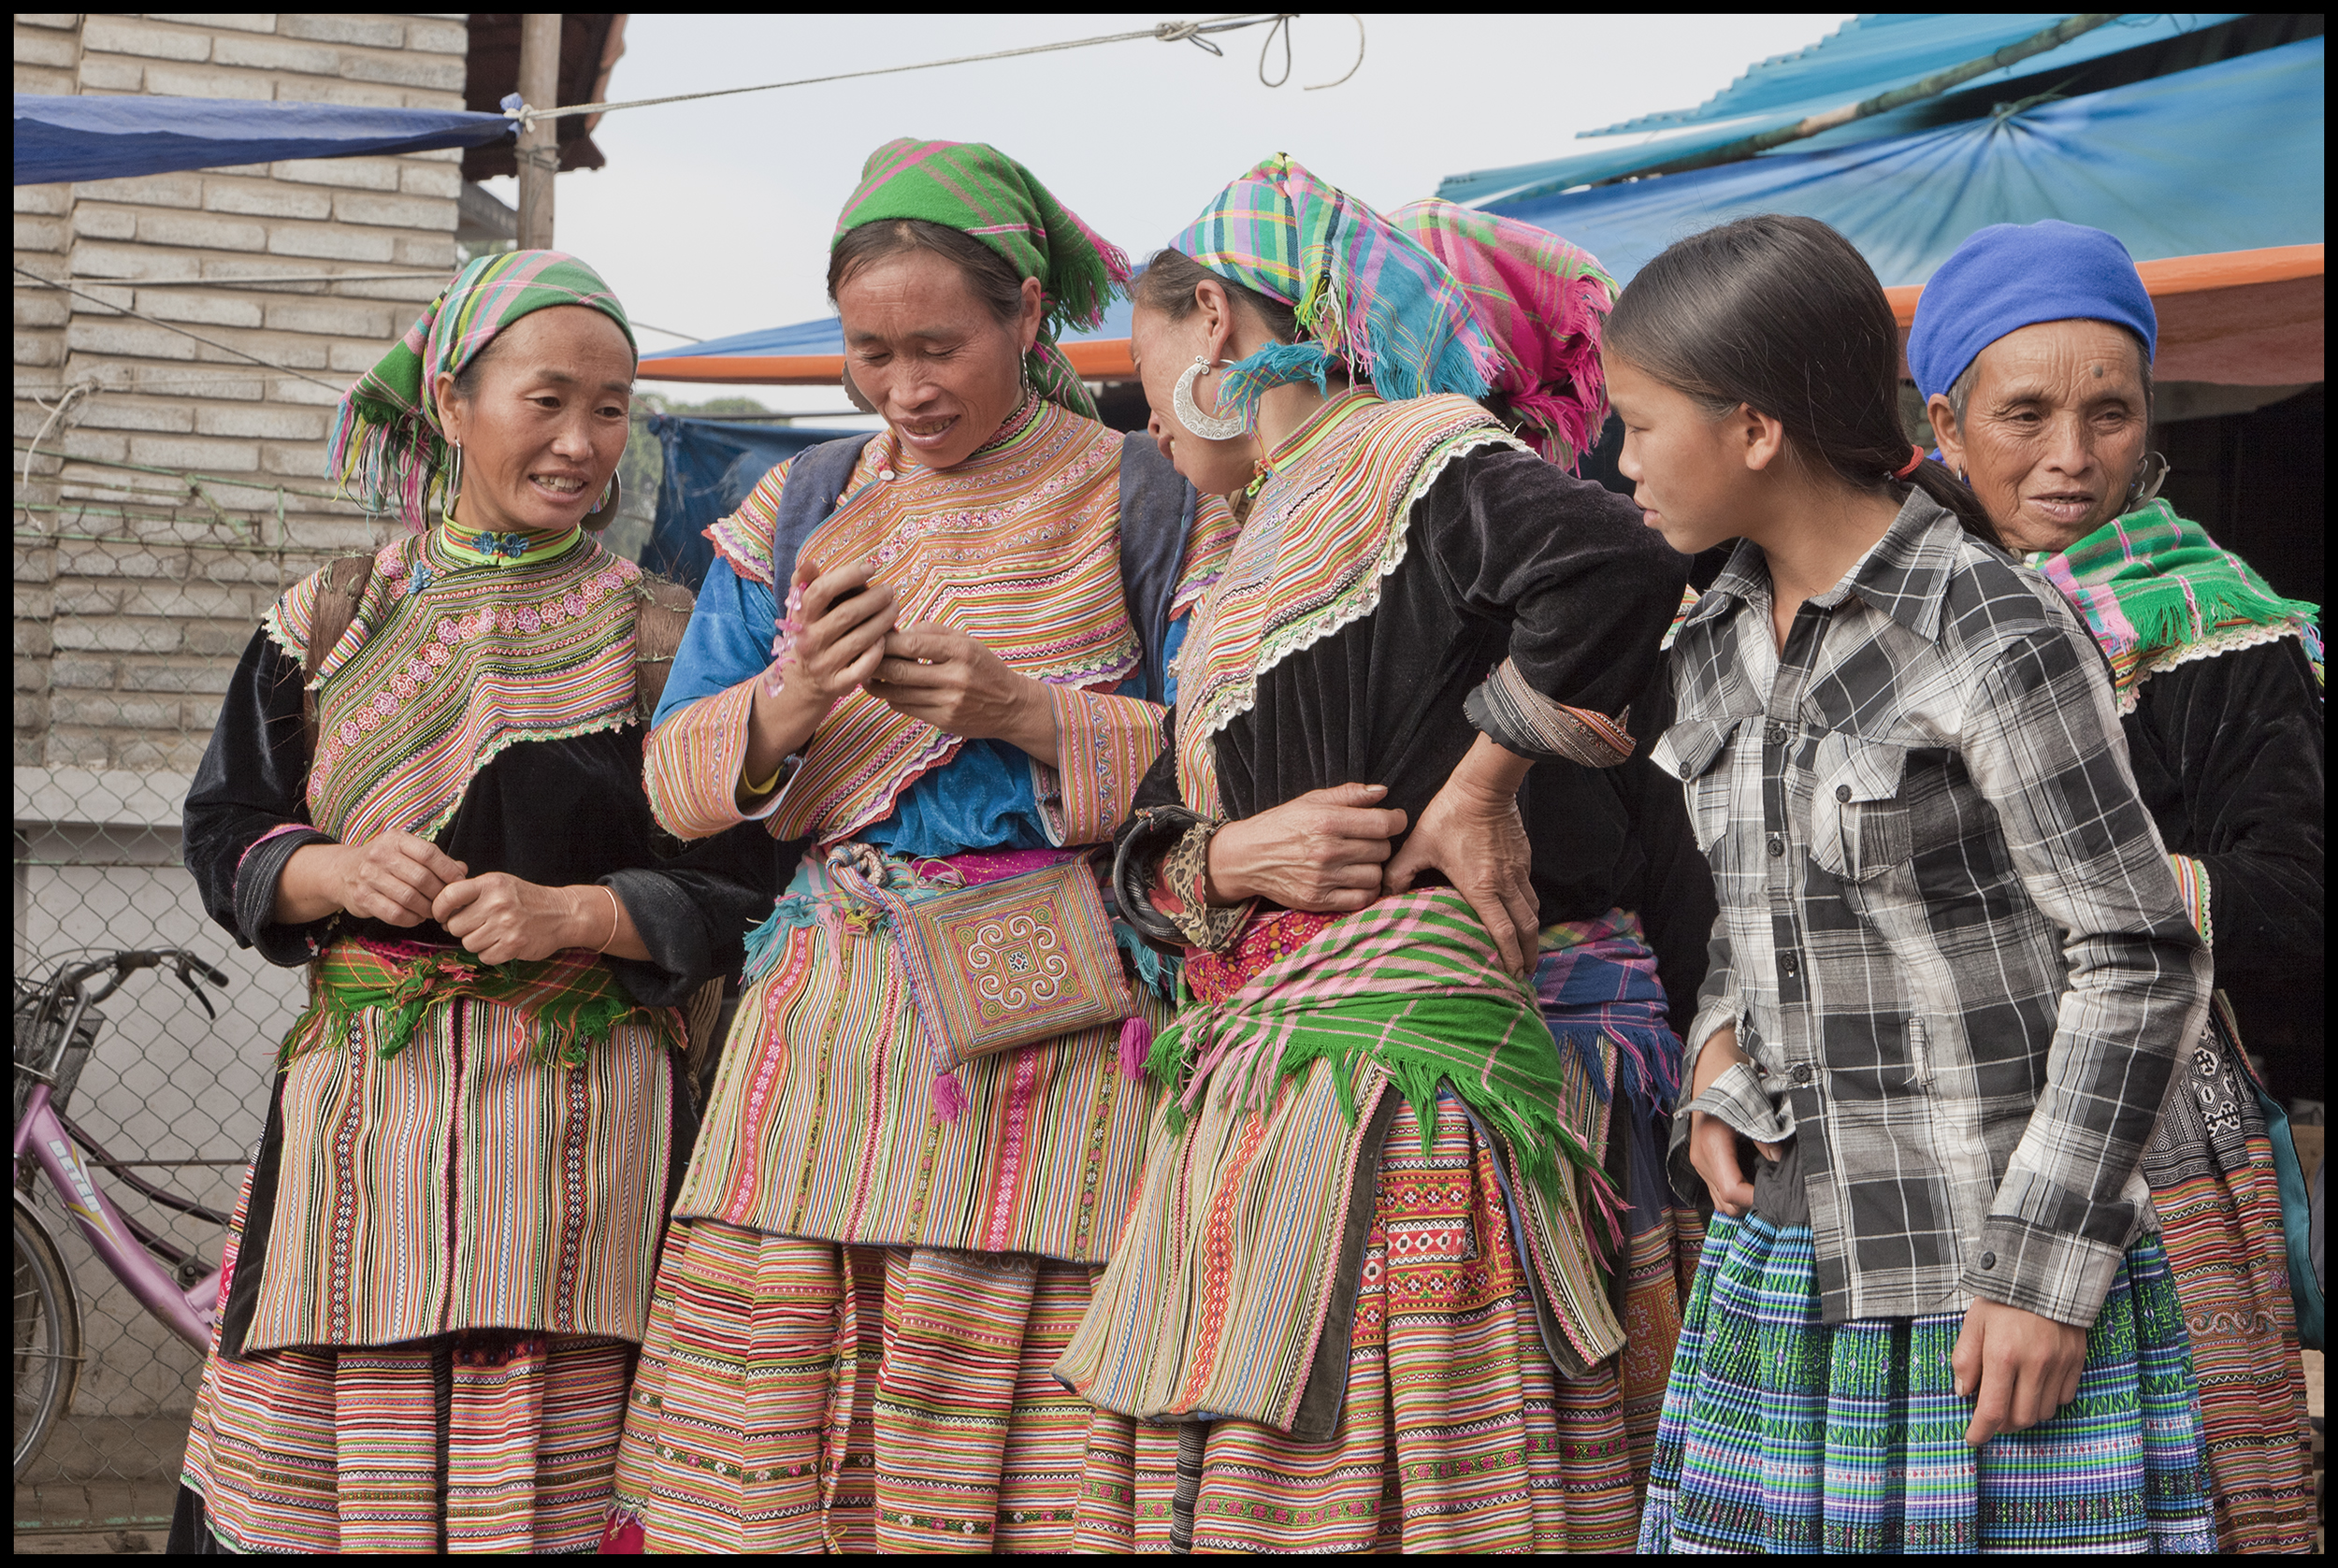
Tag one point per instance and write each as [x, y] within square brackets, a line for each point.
[1950, 977]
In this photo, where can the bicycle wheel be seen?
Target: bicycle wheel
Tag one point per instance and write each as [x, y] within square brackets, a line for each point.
[47, 1335]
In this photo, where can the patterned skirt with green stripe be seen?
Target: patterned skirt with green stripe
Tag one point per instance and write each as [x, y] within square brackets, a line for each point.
[1781, 1434]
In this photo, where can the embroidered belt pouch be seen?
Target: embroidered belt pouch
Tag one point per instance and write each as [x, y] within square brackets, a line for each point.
[1003, 963]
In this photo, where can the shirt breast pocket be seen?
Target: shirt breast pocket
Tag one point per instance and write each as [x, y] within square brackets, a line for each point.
[1692, 752]
[1859, 822]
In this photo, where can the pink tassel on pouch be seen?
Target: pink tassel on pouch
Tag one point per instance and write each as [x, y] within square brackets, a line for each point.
[1136, 1040]
[949, 1096]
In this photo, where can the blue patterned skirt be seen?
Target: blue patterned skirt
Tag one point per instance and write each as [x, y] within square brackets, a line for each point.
[1783, 1435]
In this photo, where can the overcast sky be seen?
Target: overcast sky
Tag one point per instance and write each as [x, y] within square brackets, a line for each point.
[714, 217]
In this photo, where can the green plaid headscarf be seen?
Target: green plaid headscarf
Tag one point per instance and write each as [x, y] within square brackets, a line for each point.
[979, 191]
[386, 440]
[1365, 292]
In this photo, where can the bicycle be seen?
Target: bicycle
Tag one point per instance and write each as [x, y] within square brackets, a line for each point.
[56, 1025]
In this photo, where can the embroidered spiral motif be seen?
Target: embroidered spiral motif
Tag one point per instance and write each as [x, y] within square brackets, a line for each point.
[1015, 962]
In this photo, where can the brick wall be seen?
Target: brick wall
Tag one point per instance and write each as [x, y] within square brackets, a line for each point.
[135, 589]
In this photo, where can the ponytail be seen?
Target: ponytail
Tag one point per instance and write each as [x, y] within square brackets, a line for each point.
[1783, 315]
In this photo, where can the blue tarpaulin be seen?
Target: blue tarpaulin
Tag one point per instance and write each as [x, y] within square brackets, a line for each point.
[1866, 56]
[113, 138]
[826, 336]
[711, 466]
[2224, 157]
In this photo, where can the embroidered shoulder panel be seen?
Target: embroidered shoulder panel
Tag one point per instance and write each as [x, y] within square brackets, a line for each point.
[1323, 536]
[1017, 547]
[443, 666]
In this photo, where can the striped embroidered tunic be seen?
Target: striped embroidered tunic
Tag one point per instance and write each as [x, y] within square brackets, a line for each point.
[466, 1179]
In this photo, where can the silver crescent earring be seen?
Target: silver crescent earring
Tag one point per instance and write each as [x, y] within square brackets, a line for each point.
[2148, 478]
[1210, 428]
[605, 509]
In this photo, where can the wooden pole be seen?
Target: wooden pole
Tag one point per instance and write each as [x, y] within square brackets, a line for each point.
[538, 151]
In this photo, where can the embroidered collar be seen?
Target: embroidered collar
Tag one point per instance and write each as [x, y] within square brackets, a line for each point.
[484, 548]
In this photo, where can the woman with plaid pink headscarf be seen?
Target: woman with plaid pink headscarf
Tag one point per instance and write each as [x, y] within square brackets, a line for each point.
[1358, 1305]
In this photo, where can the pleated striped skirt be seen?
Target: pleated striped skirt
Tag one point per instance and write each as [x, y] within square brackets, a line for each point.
[799, 1396]
[1783, 1435]
[1455, 1433]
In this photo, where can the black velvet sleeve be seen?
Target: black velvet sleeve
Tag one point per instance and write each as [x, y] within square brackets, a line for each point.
[1584, 585]
[2240, 736]
[252, 780]
[693, 911]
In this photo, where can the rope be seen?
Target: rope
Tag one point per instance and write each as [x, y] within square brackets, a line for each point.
[1168, 33]
[78, 390]
[258, 279]
[166, 326]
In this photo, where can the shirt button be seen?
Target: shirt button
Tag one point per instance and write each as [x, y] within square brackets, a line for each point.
[1788, 964]
[1988, 1260]
[1777, 844]
[1843, 791]
[885, 473]
[1775, 735]
[1801, 1073]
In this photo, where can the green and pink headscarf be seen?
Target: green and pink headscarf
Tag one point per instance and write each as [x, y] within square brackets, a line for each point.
[386, 441]
[1543, 302]
[982, 193]
[1365, 293]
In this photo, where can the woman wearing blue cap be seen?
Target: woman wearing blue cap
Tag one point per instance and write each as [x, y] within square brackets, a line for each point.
[2032, 346]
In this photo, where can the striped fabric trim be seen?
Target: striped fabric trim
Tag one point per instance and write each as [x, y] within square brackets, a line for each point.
[1530, 722]
[690, 764]
[440, 672]
[1327, 529]
[2191, 880]
[821, 1123]
[1105, 746]
[462, 1184]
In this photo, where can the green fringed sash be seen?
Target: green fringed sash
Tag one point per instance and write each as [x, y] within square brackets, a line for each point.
[571, 999]
[1410, 988]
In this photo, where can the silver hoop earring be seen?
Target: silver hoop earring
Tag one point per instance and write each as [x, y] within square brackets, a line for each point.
[605, 509]
[2148, 478]
[451, 490]
[1210, 428]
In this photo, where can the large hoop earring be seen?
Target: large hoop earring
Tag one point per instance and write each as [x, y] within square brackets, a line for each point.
[605, 509]
[2144, 489]
[451, 490]
[854, 395]
[1210, 428]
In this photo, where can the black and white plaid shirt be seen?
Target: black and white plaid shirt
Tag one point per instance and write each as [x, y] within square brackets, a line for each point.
[1949, 936]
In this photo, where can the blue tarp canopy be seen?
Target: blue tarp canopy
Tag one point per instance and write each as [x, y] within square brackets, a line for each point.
[113, 138]
[826, 337]
[2224, 157]
[1866, 56]
[711, 466]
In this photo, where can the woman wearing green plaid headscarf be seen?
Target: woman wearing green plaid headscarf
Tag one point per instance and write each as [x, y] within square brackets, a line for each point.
[426, 786]
[936, 651]
[388, 439]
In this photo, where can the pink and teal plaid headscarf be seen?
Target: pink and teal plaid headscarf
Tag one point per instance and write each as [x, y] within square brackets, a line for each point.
[386, 440]
[1543, 301]
[1365, 293]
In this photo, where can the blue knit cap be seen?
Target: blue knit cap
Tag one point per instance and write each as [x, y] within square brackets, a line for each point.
[2010, 276]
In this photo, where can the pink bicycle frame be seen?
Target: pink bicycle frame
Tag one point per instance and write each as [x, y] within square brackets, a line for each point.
[188, 1313]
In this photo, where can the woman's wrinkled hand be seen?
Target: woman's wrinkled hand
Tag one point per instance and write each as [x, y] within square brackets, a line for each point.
[1713, 1143]
[1472, 832]
[393, 877]
[1319, 852]
[2018, 1368]
[499, 918]
[937, 673]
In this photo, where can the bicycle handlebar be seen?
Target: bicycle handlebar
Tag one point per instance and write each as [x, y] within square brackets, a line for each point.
[125, 964]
